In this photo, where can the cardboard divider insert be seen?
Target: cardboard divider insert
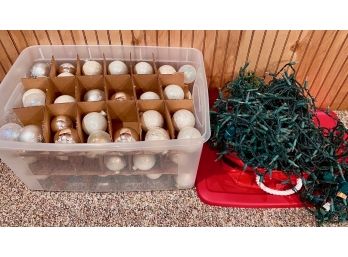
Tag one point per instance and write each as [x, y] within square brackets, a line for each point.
[67, 109]
[123, 114]
[157, 105]
[53, 68]
[176, 79]
[35, 115]
[44, 84]
[85, 83]
[118, 83]
[84, 108]
[145, 83]
[64, 86]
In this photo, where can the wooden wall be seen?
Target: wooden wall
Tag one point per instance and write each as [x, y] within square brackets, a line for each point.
[322, 56]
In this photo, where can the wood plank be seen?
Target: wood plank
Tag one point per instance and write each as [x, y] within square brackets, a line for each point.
[18, 39]
[301, 47]
[10, 49]
[222, 37]
[4, 59]
[344, 101]
[115, 37]
[243, 50]
[209, 53]
[256, 45]
[231, 55]
[151, 38]
[138, 37]
[266, 51]
[174, 40]
[42, 37]
[198, 39]
[342, 91]
[67, 37]
[30, 37]
[162, 36]
[186, 38]
[91, 37]
[2, 73]
[54, 37]
[127, 37]
[102, 37]
[278, 49]
[79, 37]
[290, 47]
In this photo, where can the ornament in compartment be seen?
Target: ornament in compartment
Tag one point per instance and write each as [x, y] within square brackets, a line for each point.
[94, 121]
[92, 68]
[40, 69]
[34, 97]
[117, 68]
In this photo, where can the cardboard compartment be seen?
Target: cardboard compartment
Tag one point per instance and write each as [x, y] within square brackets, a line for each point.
[84, 108]
[145, 83]
[176, 79]
[118, 83]
[123, 114]
[158, 105]
[67, 109]
[56, 63]
[86, 83]
[64, 86]
[40, 83]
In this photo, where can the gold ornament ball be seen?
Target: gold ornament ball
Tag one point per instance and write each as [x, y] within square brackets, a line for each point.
[99, 137]
[121, 96]
[126, 135]
[61, 122]
[67, 67]
[67, 136]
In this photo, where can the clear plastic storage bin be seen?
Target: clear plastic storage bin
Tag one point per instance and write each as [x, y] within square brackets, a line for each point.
[81, 167]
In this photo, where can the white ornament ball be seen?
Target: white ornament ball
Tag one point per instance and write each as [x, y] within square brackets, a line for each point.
[166, 69]
[151, 119]
[31, 134]
[99, 137]
[94, 95]
[149, 95]
[185, 180]
[189, 73]
[65, 74]
[10, 131]
[115, 163]
[183, 118]
[40, 69]
[64, 99]
[94, 121]
[174, 92]
[33, 97]
[189, 133]
[144, 161]
[92, 68]
[153, 176]
[143, 68]
[155, 134]
[117, 68]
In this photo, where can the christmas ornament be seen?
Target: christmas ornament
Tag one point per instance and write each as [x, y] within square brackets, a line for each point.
[94, 95]
[65, 74]
[153, 176]
[99, 137]
[185, 180]
[31, 134]
[183, 118]
[40, 69]
[189, 133]
[126, 135]
[67, 68]
[115, 163]
[92, 68]
[61, 122]
[121, 96]
[174, 92]
[151, 119]
[94, 121]
[33, 97]
[10, 131]
[144, 161]
[117, 68]
[166, 69]
[67, 136]
[155, 134]
[149, 95]
[189, 73]
[174, 157]
[143, 68]
[64, 99]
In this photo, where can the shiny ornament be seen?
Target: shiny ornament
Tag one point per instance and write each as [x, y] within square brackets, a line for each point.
[31, 134]
[94, 121]
[99, 137]
[149, 95]
[65, 74]
[189, 133]
[92, 68]
[183, 118]
[121, 96]
[166, 69]
[115, 163]
[144, 161]
[67, 136]
[126, 135]
[10, 132]
[143, 68]
[94, 95]
[67, 68]
[61, 122]
[33, 97]
[151, 119]
[153, 176]
[117, 68]
[155, 134]
[40, 69]
[64, 99]
[174, 92]
[189, 73]
[185, 180]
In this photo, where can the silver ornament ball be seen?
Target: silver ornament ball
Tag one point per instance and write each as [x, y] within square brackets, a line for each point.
[33, 97]
[31, 134]
[40, 69]
[10, 131]
[94, 95]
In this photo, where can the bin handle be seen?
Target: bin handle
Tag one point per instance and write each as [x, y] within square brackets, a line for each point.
[271, 191]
